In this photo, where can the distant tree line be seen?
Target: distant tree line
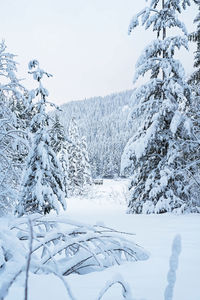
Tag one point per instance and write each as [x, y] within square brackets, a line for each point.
[104, 122]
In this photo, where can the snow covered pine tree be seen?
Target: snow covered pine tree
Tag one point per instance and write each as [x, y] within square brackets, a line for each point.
[79, 174]
[86, 163]
[57, 135]
[194, 79]
[195, 37]
[159, 152]
[43, 187]
[63, 158]
[60, 143]
[13, 146]
[194, 82]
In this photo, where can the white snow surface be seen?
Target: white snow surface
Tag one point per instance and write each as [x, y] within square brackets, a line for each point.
[147, 280]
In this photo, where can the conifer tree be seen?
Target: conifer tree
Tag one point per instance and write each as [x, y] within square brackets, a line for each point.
[79, 173]
[8, 174]
[86, 163]
[63, 158]
[43, 187]
[13, 145]
[194, 82]
[75, 173]
[195, 37]
[60, 144]
[159, 152]
[57, 135]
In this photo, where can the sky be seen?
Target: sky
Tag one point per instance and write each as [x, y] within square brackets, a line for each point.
[84, 44]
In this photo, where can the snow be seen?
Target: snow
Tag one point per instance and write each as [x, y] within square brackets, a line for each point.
[176, 120]
[145, 279]
[139, 145]
[125, 108]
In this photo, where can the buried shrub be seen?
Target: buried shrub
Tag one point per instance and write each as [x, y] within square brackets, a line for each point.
[60, 246]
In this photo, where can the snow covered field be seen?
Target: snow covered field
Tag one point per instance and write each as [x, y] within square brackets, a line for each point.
[147, 279]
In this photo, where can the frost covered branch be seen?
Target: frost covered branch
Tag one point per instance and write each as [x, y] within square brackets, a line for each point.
[78, 248]
[126, 292]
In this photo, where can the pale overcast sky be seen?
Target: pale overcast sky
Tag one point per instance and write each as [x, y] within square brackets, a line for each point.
[83, 43]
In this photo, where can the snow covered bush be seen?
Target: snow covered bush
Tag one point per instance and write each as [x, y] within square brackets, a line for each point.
[62, 246]
[160, 152]
[76, 247]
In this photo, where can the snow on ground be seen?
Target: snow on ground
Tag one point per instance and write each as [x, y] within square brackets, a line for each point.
[111, 192]
[147, 279]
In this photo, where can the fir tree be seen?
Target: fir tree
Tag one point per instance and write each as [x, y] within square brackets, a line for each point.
[195, 37]
[79, 173]
[13, 144]
[75, 173]
[86, 163]
[159, 152]
[60, 144]
[194, 82]
[42, 188]
[57, 135]
[64, 160]
[8, 174]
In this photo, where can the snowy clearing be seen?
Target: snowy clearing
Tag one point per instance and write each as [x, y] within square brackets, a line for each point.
[147, 279]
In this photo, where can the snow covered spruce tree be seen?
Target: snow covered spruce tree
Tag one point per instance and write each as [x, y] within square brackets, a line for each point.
[195, 37]
[60, 144]
[194, 79]
[194, 82]
[159, 153]
[42, 188]
[86, 163]
[64, 161]
[13, 146]
[79, 174]
[57, 135]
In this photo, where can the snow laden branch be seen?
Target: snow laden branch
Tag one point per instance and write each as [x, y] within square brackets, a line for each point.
[151, 59]
[159, 19]
[61, 246]
[126, 292]
[78, 248]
